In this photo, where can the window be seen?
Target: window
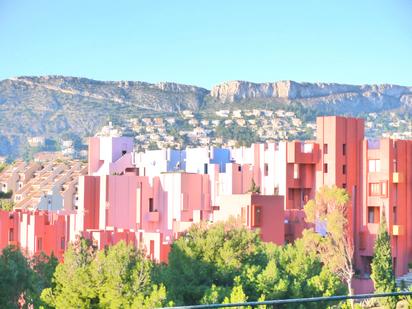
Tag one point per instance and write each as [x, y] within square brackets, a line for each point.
[374, 189]
[296, 171]
[344, 149]
[205, 168]
[62, 243]
[243, 215]
[11, 234]
[374, 165]
[256, 215]
[373, 215]
[344, 169]
[325, 168]
[39, 244]
[395, 215]
[266, 169]
[325, 148]
[290, 194]
[395, 166]
[384, 188]
[344, 185]
[378, 189]
[151, 207]
[239, 168]
[152, 249]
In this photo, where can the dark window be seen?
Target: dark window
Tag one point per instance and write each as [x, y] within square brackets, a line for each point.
[344, 185]
[344, 169]
[371, 215]
[152, 247]
[239, 168]
[344, 149]
[123, 152]
[395, 215]
[62, 243]
[205, 168]
[11, 234]
[151, 208]
[325, 167]
[290, 194]
[39, 244]
[266, 169]
[325, 148]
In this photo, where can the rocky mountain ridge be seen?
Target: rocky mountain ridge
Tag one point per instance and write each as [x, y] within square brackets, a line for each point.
[56, 106]
[240, 90]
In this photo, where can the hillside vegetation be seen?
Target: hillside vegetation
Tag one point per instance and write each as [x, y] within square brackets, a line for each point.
[54, 106]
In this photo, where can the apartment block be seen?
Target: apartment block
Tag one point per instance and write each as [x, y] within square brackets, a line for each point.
[150, 198]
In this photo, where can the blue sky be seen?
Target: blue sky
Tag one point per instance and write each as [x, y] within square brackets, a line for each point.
[207, 42]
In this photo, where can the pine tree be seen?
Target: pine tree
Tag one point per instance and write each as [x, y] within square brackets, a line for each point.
[254, 188]
[382, 268]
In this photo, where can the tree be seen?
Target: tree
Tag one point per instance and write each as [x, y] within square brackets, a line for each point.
[123, 278]
[227, 262]
[43, 267]
[329, 208]
[6, 204]
[205, 261]
[16, 274]
[382, 268]
[295, 271]
[254, 188]
[237, 295]
[117, 277]
[73, 282]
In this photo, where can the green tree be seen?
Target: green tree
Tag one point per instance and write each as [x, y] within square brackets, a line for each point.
[237, 295]
[117, 277]
[382, 267]
[16, 275]
[329, 208]
[207, 256]
[254, 188]
[123, 278]
[6, 204]
[43, 267]
[295, 271]
[73, 283]
[226, 261]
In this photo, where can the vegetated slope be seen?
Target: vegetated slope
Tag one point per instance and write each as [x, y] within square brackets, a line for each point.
[51, 106]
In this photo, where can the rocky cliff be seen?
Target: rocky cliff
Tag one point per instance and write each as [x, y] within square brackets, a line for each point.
[349, 96]
[53, 106]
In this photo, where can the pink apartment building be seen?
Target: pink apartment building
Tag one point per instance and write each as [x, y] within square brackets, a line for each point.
[149, 199]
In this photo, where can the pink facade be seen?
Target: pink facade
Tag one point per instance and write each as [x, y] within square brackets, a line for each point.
[262, 212]
[136, 197]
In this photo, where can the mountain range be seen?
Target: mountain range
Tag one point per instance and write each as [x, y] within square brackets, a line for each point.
[53, 106]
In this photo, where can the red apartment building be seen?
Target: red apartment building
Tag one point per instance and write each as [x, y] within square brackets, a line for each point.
[119, 200]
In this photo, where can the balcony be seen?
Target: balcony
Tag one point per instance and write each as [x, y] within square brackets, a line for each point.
[299, 152]
[153, 216]
[397, 178]
[398, 230]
